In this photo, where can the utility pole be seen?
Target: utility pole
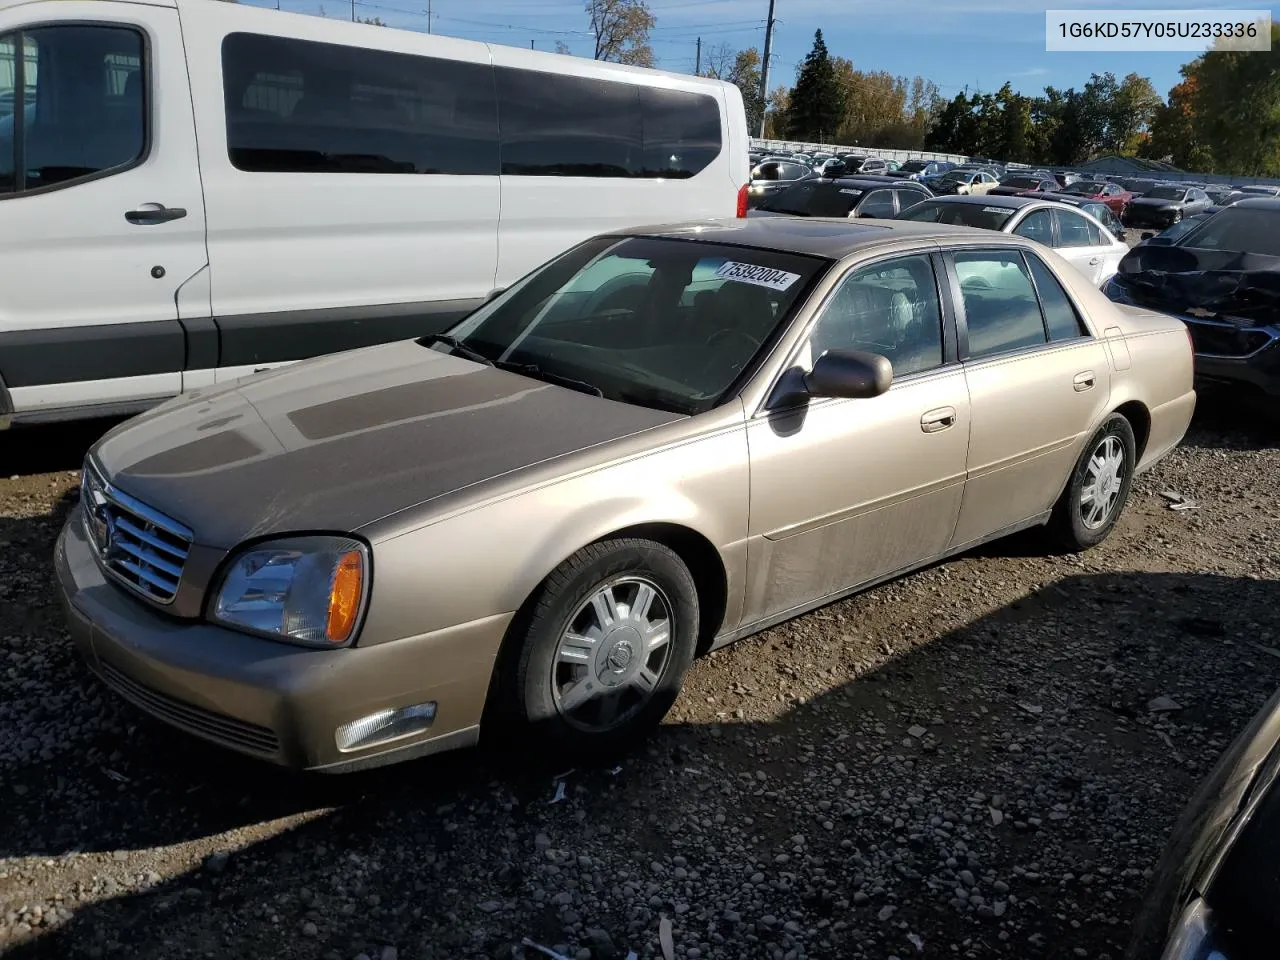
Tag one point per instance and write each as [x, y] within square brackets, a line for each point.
[764, 67]
[697, 62]
[428, 16]
[353, 11]
[530, 44]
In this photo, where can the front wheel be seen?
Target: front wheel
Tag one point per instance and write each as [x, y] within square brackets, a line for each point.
[1091, 504]
[603, 652]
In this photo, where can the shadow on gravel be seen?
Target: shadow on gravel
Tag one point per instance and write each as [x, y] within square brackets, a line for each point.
[1225, 420]
[1046, 702]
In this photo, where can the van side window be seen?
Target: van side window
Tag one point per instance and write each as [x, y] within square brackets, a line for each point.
[566, 126]
[74, 107]
[297, 106]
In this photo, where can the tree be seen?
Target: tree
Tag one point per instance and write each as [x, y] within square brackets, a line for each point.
[776, 120]
[949, 130]
[372, 21]
[621, 29]
[717, 61]
[562, 47]
[1173, 136]
[1133, 110]
[816, 101]
[1236, 107]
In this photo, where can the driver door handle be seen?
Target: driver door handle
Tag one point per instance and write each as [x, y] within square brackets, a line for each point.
[1094, 261]
[152, 213]
[937, 420]
[1084, 381]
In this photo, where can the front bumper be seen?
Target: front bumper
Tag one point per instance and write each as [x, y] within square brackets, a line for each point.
[268, 699]
[1258, 367]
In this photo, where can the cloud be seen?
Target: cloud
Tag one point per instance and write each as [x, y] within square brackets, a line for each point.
[1033, 72]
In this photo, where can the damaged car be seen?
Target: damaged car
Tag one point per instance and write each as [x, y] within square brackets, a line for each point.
[1222, 278]
[1164, 205]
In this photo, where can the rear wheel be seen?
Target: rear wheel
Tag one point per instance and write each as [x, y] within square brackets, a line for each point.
[604, 651]
[1098, 489]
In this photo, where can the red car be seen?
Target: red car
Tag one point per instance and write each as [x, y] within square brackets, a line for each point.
[1112, 194]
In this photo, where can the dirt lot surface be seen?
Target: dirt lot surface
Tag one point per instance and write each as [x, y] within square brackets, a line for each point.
[982, 760]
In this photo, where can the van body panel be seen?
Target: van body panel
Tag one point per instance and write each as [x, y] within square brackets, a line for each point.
[286, 246]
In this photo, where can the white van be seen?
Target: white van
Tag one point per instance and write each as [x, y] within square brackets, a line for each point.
[200, 190]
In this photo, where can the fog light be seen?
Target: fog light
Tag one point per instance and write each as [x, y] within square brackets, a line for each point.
[385, 726]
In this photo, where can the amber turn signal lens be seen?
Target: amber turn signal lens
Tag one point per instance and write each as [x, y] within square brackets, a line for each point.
[344, 597]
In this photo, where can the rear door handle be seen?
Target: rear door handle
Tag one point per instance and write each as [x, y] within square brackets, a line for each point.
[1094, 261]
[1084, 381]
[152, 213]
[936, 420]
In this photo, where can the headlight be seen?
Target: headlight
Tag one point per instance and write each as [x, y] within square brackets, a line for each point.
[308, 590]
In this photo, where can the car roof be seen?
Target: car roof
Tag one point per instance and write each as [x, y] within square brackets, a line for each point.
[1258, 203]
[987, 200]
[810, 236]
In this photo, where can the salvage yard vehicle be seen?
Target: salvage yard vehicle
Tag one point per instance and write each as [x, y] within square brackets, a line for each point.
[652, 446]
[851, 196]
[1222, 278]
[1077, 237]
[302, 186]
[1166, 204]
[1214, 893]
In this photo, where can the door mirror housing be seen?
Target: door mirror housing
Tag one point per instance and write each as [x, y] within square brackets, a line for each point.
[851, 374]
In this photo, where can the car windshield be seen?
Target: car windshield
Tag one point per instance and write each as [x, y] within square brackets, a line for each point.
[1024, 183]
[914, 166]
[1239, 231]
[959, 214]
[659, 322]
[958, 176]
[1166, 193]
[1084, 188]
[815, 200]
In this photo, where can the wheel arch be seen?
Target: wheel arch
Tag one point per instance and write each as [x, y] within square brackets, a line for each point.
[1139, 417]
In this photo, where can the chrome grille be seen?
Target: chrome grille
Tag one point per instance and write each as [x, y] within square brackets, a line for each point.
[140, 547]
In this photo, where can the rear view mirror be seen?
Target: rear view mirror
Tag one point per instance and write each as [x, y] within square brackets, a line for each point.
[850, 374]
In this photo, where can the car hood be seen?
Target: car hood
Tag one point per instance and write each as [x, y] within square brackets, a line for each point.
[1241, 288]
[336, 443]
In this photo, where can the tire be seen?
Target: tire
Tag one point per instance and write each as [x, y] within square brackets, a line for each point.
[1071, 525]
[551, 691]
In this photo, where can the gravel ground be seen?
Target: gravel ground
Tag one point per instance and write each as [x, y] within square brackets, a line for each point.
[981, 760]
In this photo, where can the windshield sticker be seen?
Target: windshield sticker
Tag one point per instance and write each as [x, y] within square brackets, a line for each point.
[852, 193]
[759, 276]
[993, 209]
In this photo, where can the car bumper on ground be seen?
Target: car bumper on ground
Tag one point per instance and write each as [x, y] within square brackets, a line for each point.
[272, 700]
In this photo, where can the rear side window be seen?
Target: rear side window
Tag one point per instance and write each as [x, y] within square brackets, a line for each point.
[1000, 306]
[1075, 231]
[306, 107]
[72, 106]
[1059, 314]
[564, 126]
[879, 203]
[1037, 226]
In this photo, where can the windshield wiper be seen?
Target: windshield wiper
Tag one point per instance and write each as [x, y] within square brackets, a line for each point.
[537, 373]
[458, 347]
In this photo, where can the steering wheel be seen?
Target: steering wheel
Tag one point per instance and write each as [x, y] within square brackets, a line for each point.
[729, 332]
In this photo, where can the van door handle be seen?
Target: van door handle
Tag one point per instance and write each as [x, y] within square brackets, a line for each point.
[1084, 381]
[151, 213]
[937, 420]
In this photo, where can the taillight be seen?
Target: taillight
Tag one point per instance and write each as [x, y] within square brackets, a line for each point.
[742, 199]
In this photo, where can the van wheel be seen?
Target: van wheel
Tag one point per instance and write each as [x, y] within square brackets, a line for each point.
[1088, 509]
[604, 652]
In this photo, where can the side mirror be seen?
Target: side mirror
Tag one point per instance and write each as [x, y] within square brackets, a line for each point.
[495, 293]
[849, 373]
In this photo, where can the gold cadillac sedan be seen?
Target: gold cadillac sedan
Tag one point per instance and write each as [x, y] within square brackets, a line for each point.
[659, 442]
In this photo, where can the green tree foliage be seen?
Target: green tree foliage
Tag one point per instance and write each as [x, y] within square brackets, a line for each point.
[816, 101]
[1235, 106]
[621, 30]
[742, 69]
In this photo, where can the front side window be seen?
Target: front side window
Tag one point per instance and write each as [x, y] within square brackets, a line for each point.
[879, 203]
[296, 106]
[1037, 226]
[890, 308]
[657, 322]
[73, 106]
[1075, 231]
[1000, 306]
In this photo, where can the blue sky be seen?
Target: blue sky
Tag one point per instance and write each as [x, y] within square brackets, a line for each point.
[956, 43]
